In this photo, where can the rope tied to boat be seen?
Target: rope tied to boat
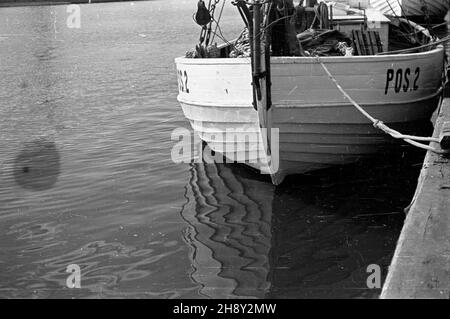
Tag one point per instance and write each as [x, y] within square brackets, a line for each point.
[411, 139]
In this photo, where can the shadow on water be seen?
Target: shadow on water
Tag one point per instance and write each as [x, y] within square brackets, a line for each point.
[37, 166]
[312, 237]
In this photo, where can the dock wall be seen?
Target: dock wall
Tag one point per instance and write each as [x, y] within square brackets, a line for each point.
[420, 267]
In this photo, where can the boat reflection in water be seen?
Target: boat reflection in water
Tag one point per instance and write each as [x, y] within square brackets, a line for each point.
[229, 231]
[314, 237]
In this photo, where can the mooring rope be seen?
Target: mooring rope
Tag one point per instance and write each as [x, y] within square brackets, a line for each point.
[411, 139]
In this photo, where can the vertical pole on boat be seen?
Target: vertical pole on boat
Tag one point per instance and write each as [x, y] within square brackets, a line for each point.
[259, 75]
[257, 42]
[267, 42]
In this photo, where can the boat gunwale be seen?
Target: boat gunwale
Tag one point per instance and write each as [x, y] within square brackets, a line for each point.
[311, 60]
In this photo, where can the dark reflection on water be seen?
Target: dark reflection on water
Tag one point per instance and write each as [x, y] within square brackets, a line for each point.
[229, 231]
[312, 237]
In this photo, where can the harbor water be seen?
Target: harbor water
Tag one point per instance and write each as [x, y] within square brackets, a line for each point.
[87, 179]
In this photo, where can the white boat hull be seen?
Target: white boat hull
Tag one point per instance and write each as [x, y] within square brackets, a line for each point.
[317, 126]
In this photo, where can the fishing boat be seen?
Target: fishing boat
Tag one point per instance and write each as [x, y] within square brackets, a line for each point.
[434, 9]
[313, 109]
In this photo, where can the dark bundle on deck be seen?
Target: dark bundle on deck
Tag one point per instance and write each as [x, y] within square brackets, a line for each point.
[241, 48]
[324, 42]
[283, 30]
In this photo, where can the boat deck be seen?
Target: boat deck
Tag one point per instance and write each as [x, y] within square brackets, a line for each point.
[421, 264]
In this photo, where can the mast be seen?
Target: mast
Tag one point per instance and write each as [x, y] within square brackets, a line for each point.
[257, 45]
[261, 71]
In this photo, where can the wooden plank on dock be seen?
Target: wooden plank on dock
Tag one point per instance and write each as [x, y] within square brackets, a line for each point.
[420, 267]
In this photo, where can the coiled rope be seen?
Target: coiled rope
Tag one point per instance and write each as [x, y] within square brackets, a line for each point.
[411, 139]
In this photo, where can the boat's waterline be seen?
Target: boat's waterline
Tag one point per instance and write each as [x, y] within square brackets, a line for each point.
[317, 126]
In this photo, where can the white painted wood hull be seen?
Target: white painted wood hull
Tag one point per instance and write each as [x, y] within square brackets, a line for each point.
[317, 126]
[411, 8]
